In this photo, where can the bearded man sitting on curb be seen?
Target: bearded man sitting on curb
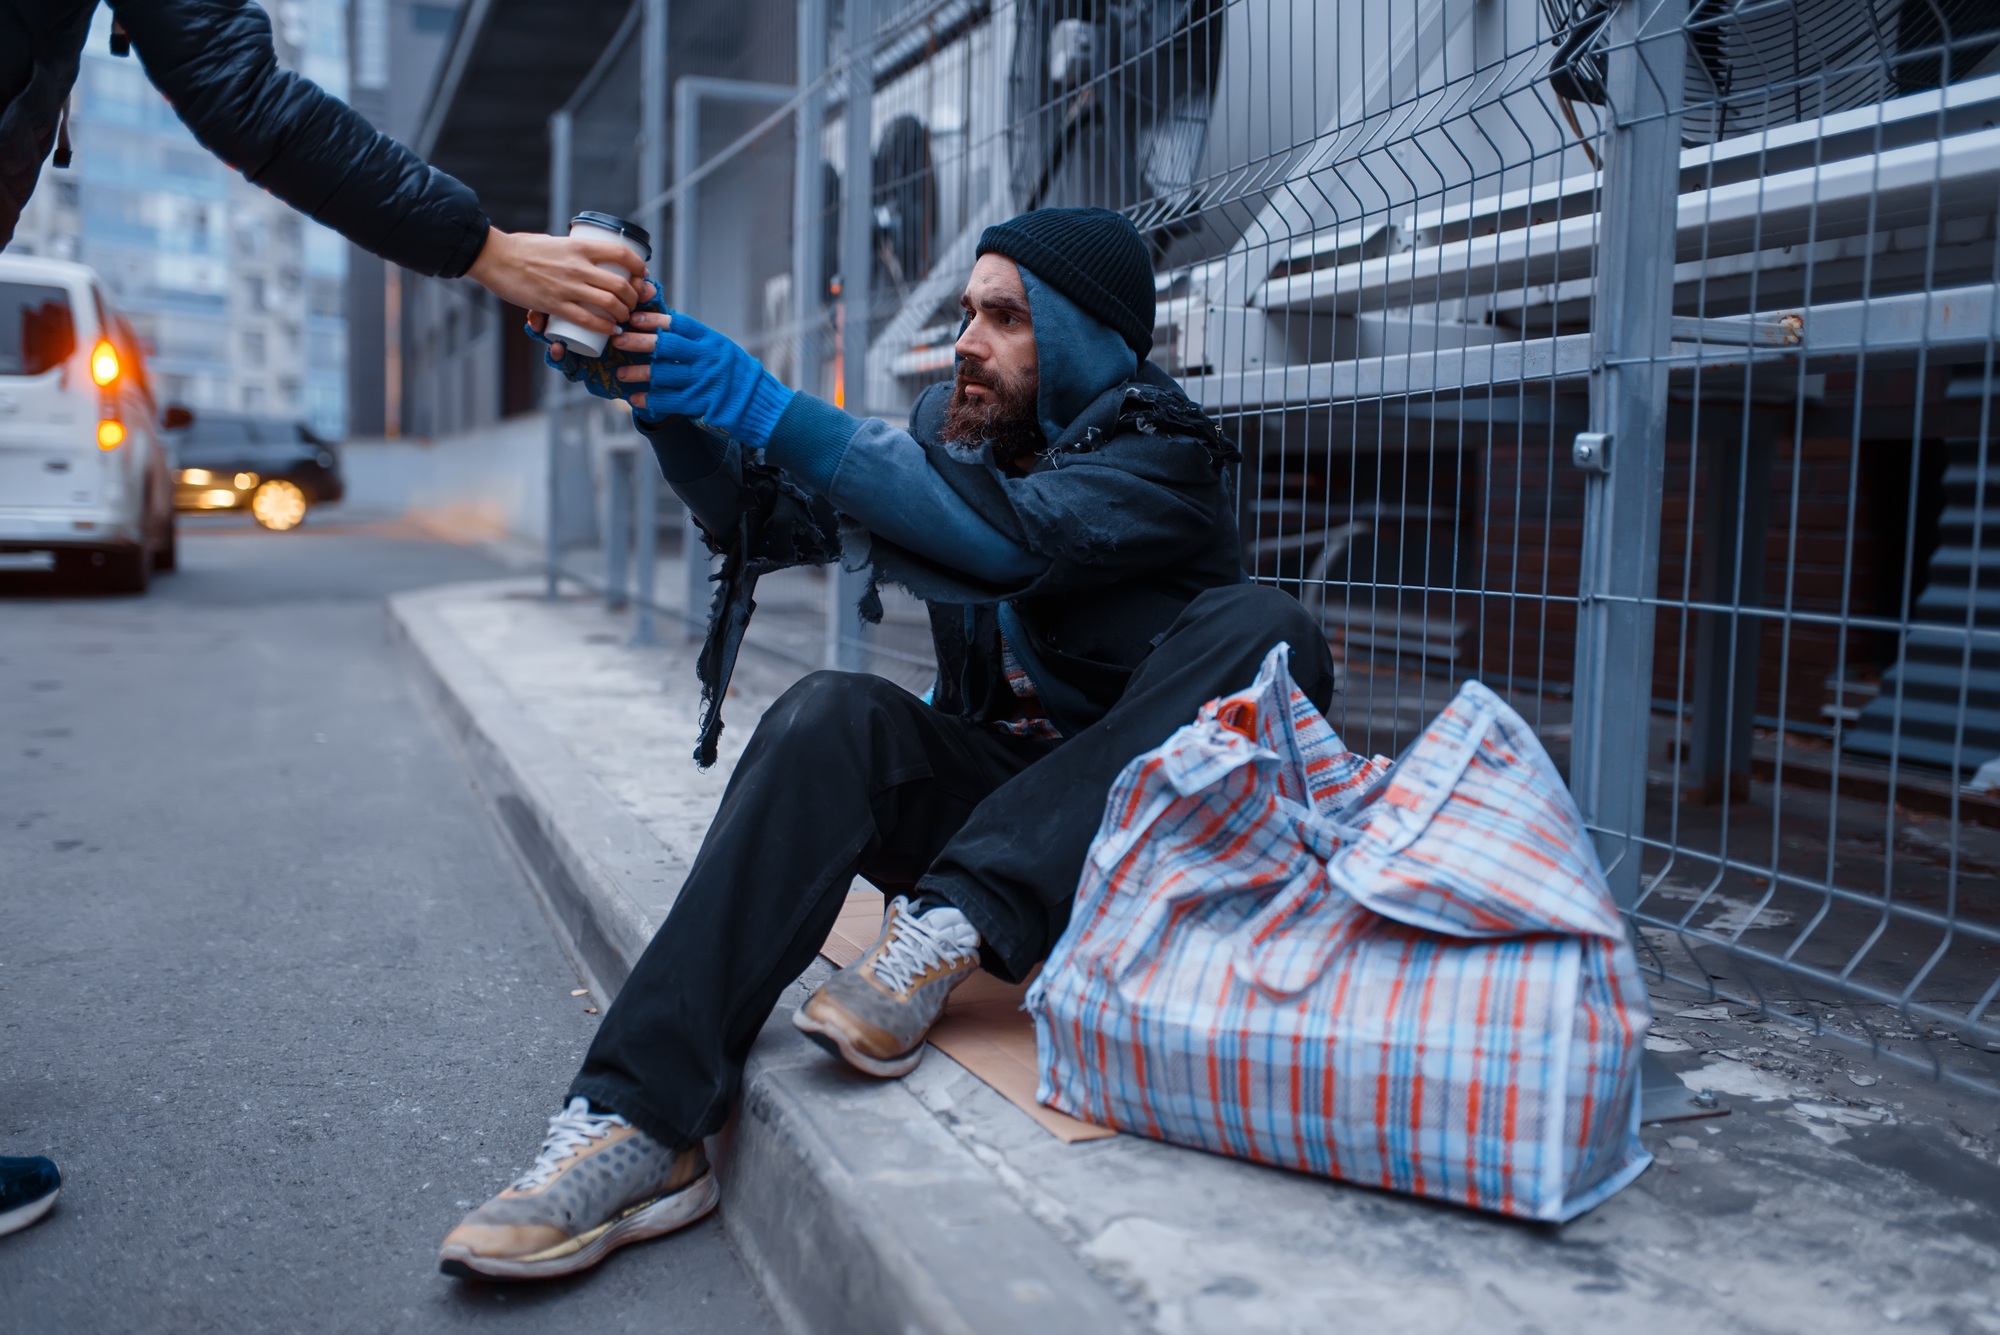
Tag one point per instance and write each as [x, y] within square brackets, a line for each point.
[1067, 515]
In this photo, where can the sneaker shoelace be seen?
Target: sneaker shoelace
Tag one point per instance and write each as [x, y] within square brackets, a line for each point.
[569, 1131]
[920, 942]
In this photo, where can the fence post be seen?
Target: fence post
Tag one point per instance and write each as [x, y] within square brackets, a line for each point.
[617, 524]
[691, 93]
[652, 180]
[808, 201]
[1630, 325]
[845, 647]
[559, 132]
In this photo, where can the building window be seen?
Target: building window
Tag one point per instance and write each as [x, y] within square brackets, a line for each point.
[371, 43]
[253, 347]
[253, 292]
[433, 18]
[288, 393]
[253, 398]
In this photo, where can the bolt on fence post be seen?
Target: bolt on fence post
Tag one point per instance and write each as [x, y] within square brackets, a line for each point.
[845, 648]
[652, 180]
[559, 131]
[1630, 327]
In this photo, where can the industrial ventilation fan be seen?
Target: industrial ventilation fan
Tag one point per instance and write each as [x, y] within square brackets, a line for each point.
[905, 198]
[1109, 101]
[1758, 64]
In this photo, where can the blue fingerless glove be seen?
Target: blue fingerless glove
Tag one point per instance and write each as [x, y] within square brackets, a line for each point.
[698, 373]
[599, 375]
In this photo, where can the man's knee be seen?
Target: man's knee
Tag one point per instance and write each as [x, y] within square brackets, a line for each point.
[1256, 617]
[828, 704]
[1258, 612]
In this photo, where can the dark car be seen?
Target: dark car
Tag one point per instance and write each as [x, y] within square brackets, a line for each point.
[273, 468]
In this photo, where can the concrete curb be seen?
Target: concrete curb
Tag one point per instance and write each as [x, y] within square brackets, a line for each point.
[856, 1207]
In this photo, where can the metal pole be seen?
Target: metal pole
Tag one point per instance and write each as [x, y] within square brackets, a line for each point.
[808, 201]
[652, 180]
[687, 154]
[1628, 404]
[559, 148]
[845, 647]
[618, 463]
[690, 91]
[1737, 515]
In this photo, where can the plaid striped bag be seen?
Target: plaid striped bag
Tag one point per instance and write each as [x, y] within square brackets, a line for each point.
[1410, 976]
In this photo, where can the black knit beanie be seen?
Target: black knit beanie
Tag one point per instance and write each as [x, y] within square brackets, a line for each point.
[1092, 256]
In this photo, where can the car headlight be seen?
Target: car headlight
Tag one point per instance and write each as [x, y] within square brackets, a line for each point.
[245, 481]
[197, 477]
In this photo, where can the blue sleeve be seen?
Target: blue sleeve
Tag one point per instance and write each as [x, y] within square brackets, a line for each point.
[881, 478]
[701, 469]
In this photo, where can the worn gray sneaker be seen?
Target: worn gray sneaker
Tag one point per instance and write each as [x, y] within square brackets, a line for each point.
[598, 1183]
[874, 1013]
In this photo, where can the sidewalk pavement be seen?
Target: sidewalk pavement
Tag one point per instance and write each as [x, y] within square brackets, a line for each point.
[1835, 1196]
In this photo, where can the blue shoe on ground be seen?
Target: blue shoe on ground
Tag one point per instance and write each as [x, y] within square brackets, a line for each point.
[28, 1187]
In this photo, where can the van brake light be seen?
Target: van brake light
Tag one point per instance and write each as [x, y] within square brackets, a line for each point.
[104, 362]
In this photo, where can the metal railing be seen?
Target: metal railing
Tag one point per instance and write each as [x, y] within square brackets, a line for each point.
[1634, 356]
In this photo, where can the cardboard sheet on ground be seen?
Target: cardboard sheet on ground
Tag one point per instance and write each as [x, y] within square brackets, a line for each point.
[983, 1027]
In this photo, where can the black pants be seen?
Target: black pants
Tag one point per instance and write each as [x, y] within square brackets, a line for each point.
[849, 774]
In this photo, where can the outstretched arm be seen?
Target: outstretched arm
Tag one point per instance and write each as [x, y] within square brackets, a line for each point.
[214, 61]
[868, 470]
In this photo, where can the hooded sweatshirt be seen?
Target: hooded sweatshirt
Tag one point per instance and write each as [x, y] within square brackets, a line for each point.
[1081, 564]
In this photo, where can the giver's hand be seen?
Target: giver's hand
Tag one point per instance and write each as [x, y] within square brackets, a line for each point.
[695, 372]
[561, 275]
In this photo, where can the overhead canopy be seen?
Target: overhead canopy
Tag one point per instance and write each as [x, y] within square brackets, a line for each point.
[510, 64]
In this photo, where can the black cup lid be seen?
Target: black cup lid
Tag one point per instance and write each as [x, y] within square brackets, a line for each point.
[616, 224]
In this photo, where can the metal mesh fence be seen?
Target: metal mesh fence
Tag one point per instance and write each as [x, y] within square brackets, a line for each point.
[1632, 356]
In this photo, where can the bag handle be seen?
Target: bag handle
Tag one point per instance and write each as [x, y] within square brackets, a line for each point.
[1437, 762]
[1255, 941]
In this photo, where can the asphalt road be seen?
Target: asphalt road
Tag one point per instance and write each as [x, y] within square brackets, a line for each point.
[273, 993]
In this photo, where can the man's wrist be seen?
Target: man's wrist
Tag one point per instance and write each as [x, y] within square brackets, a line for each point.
[809, 440]
[768, 402]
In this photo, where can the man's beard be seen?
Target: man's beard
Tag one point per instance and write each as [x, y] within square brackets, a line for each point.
[1005, 417]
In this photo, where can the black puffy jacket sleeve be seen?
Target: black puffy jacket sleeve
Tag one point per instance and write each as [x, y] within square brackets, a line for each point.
[214, 62]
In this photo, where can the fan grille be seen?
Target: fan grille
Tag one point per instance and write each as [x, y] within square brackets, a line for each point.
[1758, 64]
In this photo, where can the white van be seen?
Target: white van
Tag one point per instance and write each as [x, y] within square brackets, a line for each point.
[85, 480]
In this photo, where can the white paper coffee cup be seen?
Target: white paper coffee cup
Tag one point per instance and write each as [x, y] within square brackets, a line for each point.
[580, 341]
